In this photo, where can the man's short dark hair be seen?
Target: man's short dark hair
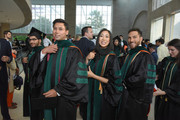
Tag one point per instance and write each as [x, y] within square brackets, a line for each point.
[6, 32]
[161, 40]
[120, 35]
[146, 40]
[84, 30]
[137, 30]
[61, 21]
[152, 46]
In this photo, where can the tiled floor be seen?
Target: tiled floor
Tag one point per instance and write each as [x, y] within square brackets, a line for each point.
[16, 114]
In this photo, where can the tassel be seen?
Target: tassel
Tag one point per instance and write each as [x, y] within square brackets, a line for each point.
[100, 88]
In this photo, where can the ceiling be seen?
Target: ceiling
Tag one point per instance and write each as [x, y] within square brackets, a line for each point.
[15, 12]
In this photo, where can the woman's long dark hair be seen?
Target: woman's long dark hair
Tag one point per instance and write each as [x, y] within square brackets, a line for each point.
[103, 51]
[176, 43]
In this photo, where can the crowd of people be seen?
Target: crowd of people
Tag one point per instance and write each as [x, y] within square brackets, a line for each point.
[107, 78]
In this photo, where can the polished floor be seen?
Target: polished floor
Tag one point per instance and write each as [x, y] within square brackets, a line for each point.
[16, 114]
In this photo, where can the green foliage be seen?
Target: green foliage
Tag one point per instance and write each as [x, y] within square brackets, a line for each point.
[42, 24]
[20, 37]
[96, 21]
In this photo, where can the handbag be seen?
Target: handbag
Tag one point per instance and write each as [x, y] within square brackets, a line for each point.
[18, 82]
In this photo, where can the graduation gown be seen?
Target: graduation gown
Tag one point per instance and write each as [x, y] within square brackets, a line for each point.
[167, 107]
[28, 69]
[66, 73]
[104, 97]
[138, 75]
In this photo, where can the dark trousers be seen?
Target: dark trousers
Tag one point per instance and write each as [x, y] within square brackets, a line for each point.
[83, 110]
[66, 109]
[3, 103]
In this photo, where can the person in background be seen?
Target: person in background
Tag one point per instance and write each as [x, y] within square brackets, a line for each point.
[138, 75]
[85, 44]
[94, 40]
[123, 44]
[12, 71]
[162, 50]
[152, 50]
[105, 86]
[46, 41]
[167, 103]
[5, 57]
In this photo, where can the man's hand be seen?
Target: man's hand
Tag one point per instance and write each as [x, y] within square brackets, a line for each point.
[50, 49]
[50, 93]
[5, 58]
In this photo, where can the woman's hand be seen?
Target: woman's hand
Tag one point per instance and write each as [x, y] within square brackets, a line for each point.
[159, 92]
[90, 73]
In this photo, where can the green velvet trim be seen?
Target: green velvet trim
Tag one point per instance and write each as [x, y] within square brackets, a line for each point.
[82, 73]
[151, 74]
[119, 88]
[151, 67]
[82, 65]
[82, 80]
[178, 93]
[150, 81]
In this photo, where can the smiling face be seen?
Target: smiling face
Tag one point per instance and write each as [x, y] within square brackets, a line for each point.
[104, 39]
[134, 39]
[59, 31]
[173, 51]
[34, 42]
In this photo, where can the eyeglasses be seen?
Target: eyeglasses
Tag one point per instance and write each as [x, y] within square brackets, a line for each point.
[33, 39]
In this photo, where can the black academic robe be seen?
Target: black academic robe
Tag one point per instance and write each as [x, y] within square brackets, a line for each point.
[167, 107]
[30, 69]
[5, 50]
[103, 103]
[138, 85]
[66, 73]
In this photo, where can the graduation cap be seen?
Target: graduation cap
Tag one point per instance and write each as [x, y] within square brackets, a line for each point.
[35, 32]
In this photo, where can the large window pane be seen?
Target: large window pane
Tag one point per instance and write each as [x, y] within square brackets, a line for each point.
[176, 31]
[158, 3]
[96, 16]
[156, 29]
[42, 18]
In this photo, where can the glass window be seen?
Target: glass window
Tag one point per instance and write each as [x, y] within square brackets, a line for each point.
[42, 18]
[156, 29]
[176, 33]
[158, 3]
[96, 16]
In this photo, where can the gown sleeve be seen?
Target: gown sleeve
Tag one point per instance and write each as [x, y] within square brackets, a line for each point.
[74, 83]
[140, 77]
[112, 91]
[37, 70]
[173, 91]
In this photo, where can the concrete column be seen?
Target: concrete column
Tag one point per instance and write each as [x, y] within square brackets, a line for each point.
[4, 27]
[70, 16]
